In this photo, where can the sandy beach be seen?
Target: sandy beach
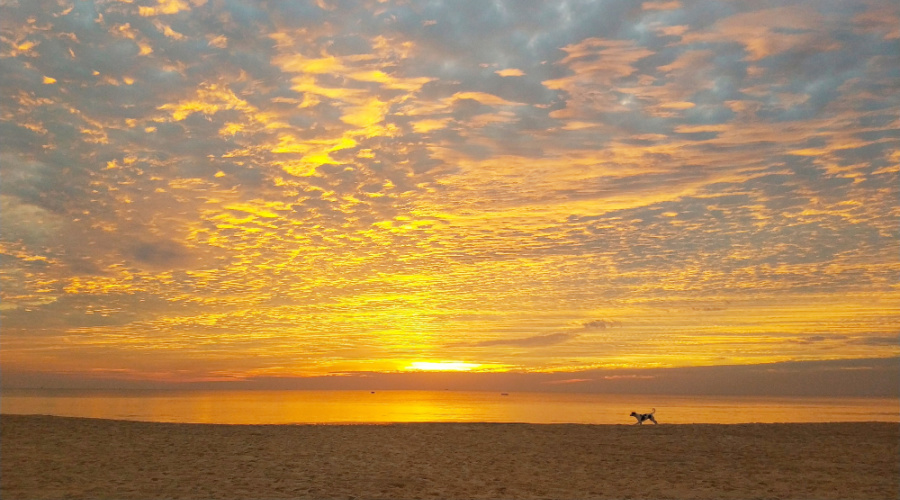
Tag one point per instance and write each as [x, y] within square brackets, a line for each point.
[54, 457]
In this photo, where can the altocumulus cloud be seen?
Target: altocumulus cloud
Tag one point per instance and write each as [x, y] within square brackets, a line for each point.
[327, 187]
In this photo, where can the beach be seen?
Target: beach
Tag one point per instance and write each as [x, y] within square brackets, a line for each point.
[46, 457]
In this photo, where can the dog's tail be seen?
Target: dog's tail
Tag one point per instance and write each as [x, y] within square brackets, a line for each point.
[654, 411]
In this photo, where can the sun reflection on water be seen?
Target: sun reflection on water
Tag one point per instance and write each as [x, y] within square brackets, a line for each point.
[349, 407]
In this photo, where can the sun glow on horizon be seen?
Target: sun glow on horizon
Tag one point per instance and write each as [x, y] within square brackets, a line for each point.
[443, 366]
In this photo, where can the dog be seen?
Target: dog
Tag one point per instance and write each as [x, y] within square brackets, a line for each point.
[644, 416]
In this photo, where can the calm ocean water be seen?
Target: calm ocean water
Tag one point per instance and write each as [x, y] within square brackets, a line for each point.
[290, 407]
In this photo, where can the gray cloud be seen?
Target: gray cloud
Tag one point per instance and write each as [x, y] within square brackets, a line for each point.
[878, 340]
[600, 324]
[534, 341]
[159, 254]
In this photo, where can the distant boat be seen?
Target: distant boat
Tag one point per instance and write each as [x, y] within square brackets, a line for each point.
[504, 394]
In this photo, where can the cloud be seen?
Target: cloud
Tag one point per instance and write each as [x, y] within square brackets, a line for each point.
[390, 180]
[877, 340]
[567, 381]
[534, 341]
[27, 223]
[159, 254]
[600, 324]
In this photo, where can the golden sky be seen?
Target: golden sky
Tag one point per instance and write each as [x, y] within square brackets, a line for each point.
[230, 190]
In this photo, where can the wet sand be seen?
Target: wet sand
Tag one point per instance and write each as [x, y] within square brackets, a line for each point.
[45, 457]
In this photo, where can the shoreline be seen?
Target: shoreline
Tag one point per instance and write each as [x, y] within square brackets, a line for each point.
[76, 457]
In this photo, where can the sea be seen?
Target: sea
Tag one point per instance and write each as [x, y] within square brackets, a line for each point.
[384, 407]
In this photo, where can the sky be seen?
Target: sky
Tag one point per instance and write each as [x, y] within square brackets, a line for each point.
[199, 191]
